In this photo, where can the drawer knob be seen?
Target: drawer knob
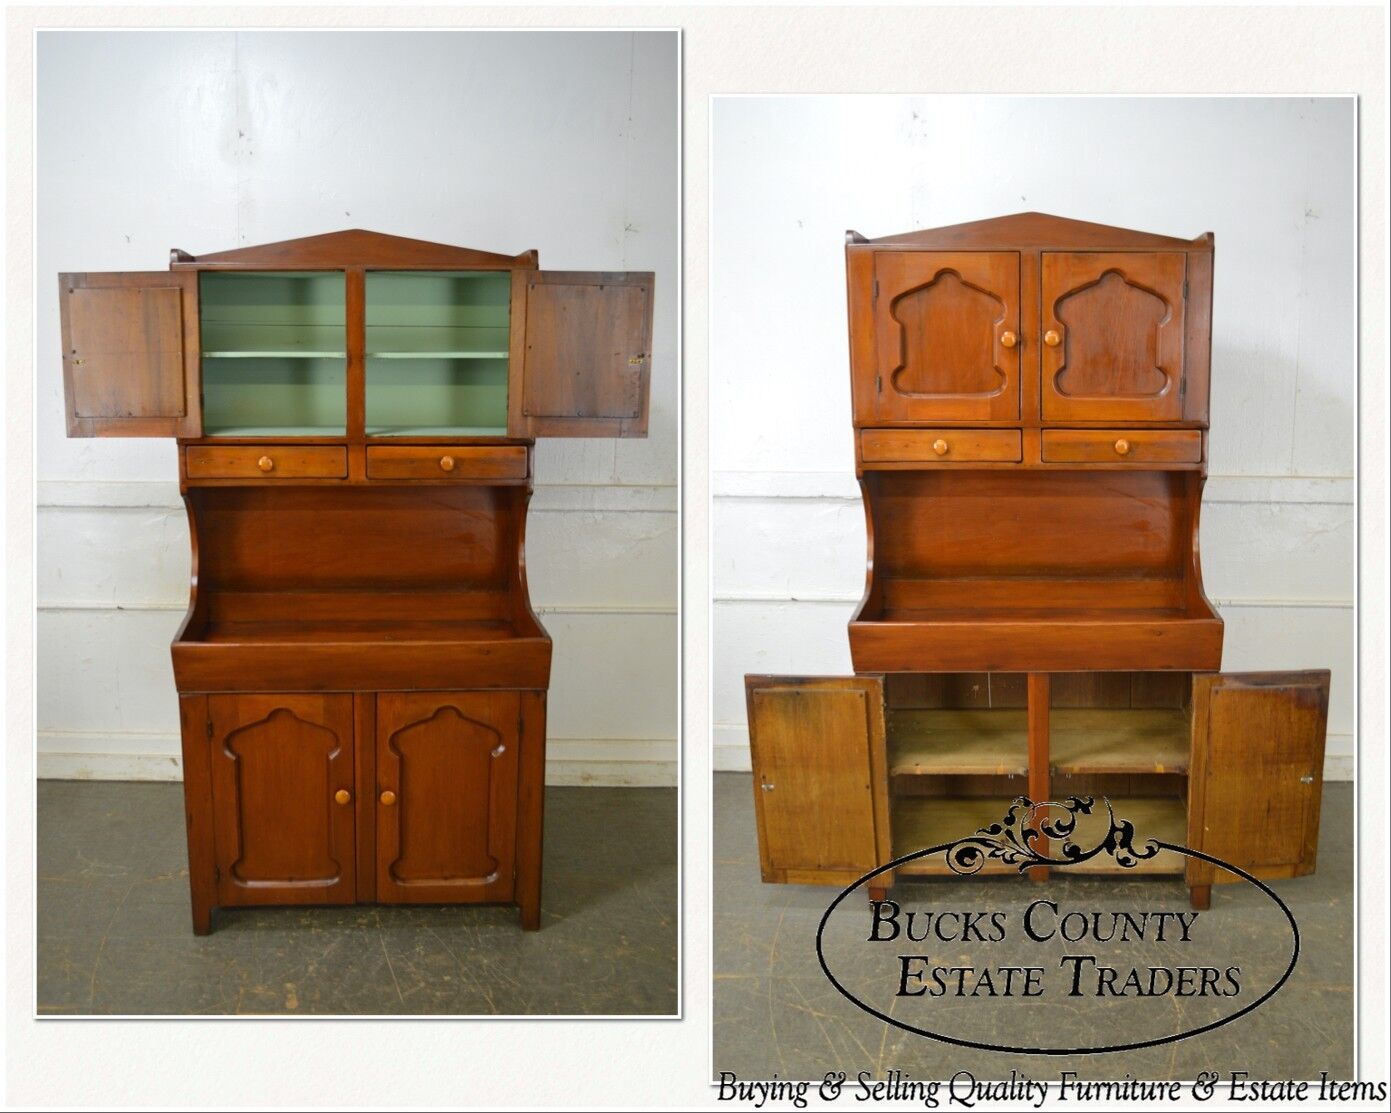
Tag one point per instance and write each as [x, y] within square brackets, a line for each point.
[265, 463]
[1008, 340]
[1122, 447]
[940, 446]
[387, 798]
[343, 796]
[1052, 338]
[447, 463]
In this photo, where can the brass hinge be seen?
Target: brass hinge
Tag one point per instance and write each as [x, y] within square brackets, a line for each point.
[875, 297]
[217, 873]
[210, 730]
[878, 384]
[1185, 289]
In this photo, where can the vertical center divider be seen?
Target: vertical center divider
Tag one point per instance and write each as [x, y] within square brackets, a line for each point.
[1039, 788]
[356, 283]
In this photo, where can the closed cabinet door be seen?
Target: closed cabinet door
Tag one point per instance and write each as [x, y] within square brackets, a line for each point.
[1112, 328]
[446, 808]
[582, 358]
[282, 792]
[130, 354]
[947, 336]
[1256, 779]
[820, 781]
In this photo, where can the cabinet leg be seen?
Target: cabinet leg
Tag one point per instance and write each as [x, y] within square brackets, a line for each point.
[1200, 897]
[878, 894]
[202, 917]
[530, 804]
[1038, 873]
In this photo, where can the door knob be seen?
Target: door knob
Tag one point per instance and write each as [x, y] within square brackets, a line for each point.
[387, 798]
[1052, 338]
[940, 446]
[265, 463]
[343, 796]
[1122, 447]
[447, 463]
[1008, 340]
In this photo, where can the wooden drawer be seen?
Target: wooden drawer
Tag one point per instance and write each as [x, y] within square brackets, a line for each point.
[941, 446]
[1122, 446]
[457, 462]
[272, 461]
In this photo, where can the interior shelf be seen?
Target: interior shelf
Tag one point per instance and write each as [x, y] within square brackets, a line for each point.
[995, 741]
[919, 822]
[273, 430]
[230, 340]
[958, 741]
[437, 430]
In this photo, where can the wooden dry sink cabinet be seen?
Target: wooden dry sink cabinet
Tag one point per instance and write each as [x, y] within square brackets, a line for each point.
[362, 681]
[1031, 423]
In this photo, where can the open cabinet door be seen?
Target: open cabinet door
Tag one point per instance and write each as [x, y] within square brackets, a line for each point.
[130, 354]
[820, 777]
[585, 365]
[1256, 779]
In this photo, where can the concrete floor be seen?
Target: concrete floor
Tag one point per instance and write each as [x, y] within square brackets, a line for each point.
[114, 934]
[777, 1014]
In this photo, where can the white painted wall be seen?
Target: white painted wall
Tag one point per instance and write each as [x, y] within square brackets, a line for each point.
[1272, 178]
[566, 142]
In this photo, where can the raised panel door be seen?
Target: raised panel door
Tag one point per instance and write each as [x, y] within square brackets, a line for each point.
[947, 336]
[446, 809]
[282, 795]
[130, 363]
[1112, 328]
[1256, 778]
[820, 781]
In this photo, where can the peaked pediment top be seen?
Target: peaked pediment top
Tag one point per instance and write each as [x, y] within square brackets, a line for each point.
[352, 247]
[1033, 230]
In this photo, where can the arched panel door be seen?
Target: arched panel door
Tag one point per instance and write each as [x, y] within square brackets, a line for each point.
[947, 334]
[1113, 327]
[282, 789]
[446, 795]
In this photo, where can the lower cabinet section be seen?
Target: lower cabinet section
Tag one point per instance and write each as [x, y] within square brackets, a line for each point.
[399, 797]
[851, 773]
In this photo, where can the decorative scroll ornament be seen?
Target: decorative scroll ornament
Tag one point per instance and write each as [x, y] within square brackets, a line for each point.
[1011, 840]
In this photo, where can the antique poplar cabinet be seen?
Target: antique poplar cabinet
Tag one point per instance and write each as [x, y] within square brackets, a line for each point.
[1031, 424]
[362, 681]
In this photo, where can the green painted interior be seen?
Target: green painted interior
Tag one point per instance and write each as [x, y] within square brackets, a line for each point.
[274, 348]
[437, 345]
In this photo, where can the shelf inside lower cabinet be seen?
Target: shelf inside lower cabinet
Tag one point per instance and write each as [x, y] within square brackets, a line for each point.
[995, 741]
[919, 822]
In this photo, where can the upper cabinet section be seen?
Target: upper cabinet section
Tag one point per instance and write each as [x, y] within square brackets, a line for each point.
[354, 336]
[1031, 320]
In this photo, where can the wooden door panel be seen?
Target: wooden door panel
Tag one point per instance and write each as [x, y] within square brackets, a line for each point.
[820, 781]
[947, 326]
[1256, 779]
[447, 795]
[1118, 322]
[284, 835]
[130, 364]
[586, 359]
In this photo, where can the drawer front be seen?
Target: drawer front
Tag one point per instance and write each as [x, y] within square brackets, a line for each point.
[251, 461]
[1122, 446]
[457, 462]
[941, 446]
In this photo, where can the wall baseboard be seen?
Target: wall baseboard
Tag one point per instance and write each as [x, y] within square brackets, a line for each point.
[627, 763]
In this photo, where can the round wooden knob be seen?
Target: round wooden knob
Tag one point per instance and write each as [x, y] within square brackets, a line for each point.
[1052, 338]
[940, 446]
[343, 796]
[1122, 447]
[265, 463]
[447, 463]
[1008, 340]
[388, 798]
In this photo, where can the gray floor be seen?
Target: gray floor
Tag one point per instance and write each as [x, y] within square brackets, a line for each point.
[114, 935]
[777, 1014]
